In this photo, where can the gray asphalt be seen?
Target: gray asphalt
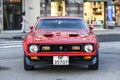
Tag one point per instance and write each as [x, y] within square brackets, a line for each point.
[109, 38]
[11, 66]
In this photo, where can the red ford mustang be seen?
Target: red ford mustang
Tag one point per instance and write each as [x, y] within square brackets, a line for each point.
[61, 41]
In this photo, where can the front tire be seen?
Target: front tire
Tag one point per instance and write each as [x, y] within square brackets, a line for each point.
[26, 66]
[96, 65]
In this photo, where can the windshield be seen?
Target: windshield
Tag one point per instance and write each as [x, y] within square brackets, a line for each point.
[62, 23]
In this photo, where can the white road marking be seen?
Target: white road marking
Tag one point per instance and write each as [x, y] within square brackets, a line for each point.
[10, 44]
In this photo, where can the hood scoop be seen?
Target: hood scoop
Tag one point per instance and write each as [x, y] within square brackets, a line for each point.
[73, 35]
[48, 35]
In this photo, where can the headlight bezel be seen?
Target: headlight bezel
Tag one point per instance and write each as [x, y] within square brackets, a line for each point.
[89, 48]
[35, 47]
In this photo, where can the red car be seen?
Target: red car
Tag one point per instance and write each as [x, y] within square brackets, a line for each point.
[61, 41]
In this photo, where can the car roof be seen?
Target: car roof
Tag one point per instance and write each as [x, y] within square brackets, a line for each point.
[67, 17]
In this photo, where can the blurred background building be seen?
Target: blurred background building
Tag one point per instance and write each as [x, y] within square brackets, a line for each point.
[100, 13]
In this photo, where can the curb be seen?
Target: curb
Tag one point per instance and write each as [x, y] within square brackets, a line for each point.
[107, 34]
[17, 37]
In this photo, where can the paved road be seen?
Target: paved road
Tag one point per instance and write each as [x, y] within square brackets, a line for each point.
[10, 44]
[10, 49]
[109, 38]
[11, 66]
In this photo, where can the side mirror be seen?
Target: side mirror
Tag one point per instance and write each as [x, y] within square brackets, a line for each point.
[38, 17]
[91, 28]
[31, 28]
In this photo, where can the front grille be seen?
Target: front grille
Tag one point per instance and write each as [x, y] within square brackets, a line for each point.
[60, 48]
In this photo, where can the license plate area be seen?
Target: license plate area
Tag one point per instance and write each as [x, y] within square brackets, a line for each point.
[60, 60]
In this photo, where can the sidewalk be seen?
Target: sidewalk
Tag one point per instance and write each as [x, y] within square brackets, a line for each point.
[16, 34]
[115, 31]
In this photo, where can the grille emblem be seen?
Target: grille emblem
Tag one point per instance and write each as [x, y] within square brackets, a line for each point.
[61, 48]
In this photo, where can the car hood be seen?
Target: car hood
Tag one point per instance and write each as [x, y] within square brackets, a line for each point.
[61, 35]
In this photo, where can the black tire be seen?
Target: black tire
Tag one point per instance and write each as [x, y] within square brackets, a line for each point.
[96, 65]
[26, 66]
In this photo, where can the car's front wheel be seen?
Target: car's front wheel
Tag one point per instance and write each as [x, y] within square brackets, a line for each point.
[96, 65]
[26, 66]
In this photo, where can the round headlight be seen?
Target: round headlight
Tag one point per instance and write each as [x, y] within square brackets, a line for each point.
[88, 48]
[33, 48]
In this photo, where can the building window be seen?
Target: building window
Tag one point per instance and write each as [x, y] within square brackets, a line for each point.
[94, 13]
[0, 3]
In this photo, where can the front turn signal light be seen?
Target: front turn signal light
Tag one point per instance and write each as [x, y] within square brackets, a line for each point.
[34, 58]
[87, 57]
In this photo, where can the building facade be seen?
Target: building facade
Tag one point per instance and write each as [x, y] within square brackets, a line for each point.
[61, 8]
[10, 15]
[116, 16]
[95, 12]
[1, 15]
